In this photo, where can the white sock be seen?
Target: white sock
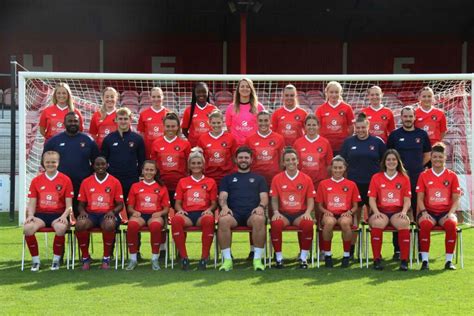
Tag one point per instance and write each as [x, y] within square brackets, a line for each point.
[133, 256]
[328, 253]
[252, 248]
[56, 258]
[226, 253]
[279, 256]
[346, 254]
[304, 255]
[449, 257]
[162, 247]
[35, 259]
[424, 256]
[106, 258]
[155, 256]
[258, 253]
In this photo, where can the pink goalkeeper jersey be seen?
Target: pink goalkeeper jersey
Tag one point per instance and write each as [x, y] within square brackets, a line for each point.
[243, 124]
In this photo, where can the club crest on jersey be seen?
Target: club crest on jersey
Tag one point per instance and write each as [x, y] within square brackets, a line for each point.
[417, 140]
[272, 143]
[372, 147]
[433, 117]
[131, 144]
[299, 186]
[204, 186]
[235, 179]
[108, 189]
[157, 191]
[251, 180]
[398, 186]
[320, 149]
[297, 117]
[384, 117]
[177, 148]
[224, 144]
[82, 144]
[59, 187]
[341, 113]
[345, 189]
[446, 183]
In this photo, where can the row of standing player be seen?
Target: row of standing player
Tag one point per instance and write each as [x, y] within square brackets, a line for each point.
[288, 90]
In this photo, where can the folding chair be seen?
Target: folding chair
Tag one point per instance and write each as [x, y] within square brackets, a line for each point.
[459, 245]
[68, 248]
[191, 229]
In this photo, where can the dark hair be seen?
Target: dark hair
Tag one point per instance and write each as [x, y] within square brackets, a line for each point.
[71, 113]
[400, 166]
[264, 112]
[407, 108]
[100, 157]
[311, 117]
[288, 150]
[157, 176]
[193, 104]
[243, 149]
[439, 147]
[361, 118]
[340, 159]
[173, 117]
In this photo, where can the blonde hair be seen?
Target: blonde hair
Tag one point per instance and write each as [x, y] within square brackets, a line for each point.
[375, 88]
[70, 101]
[157, 89]
[333, 84]
[196, 152]
[103, 110]
[215, 114]
[124, 111]
[253, 97]
[292, 87]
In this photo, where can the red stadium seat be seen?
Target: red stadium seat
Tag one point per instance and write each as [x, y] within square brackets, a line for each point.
[314, 93]
[407, 97]
[69, 249]
[170, 95]
[144, 94]
[129, 93]
[224, 95]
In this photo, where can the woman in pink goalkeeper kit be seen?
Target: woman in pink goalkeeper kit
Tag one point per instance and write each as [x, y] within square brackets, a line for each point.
[241, 115]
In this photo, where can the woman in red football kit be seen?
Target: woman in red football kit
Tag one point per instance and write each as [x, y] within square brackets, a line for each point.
[429, 118]
[390, 199]
[49, 205]
[100, 202]
[381, 119]
[219, 148]
[241, 114]
[337, 200]
[335, 117]
[171, 154]
[150, 122]
[52, 117]
[195, 118]
[314, 151]
[292, 194]
[196, 201]
[148, 204]
[267, 147]
[103, 121]
[438, 194]
[288, 121]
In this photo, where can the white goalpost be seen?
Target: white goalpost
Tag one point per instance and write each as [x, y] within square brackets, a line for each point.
[453, 93]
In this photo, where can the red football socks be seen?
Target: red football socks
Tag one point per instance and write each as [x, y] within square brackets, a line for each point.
[32, 245]
[207, 226]
[376, 238]
[276, 234]
[177, 225]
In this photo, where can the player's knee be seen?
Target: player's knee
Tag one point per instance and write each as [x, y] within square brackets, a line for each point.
[29, 229]
[108, 225]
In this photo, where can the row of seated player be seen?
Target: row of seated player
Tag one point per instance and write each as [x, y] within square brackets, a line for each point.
[293, 198]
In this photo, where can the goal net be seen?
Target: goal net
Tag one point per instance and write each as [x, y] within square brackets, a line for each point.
[452, 94]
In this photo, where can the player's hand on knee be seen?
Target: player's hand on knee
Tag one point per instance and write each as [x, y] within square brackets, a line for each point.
[109, 216]
[136, 214]
[276, 216]
[82, 216]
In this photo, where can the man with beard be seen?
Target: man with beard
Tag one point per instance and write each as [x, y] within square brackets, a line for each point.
[243, 199]
[414, 147]
[77, 151]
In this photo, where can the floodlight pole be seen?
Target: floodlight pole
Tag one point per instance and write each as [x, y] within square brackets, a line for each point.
[243, 42]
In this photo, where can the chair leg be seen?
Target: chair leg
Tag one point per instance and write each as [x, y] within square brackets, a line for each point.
[367, 231]
[415, 246]
[123, 247]
[73, 249]
[46, 252]
[313, 250]
[215, 250]
[167, 247]
[270, 248]
[411, 248]
[318, 250]
[116, 249]
[172, 254]
[68, 247]
[23, 253]
[461, 253]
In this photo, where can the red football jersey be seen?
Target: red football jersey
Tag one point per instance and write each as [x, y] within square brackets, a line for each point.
[389, 192]
[148, 198]
[438, 189]
[432, 121]
[100, 196]
[289, 123]
[52, 120]
[292, 193]
[196, 195]
[172, 159]
[51, 193]
[337, 196]
[200, 122]
[218, 154]
[150, 125]
[267, 151]
[335, 122]
[314, 157]
[99, 128]
[382, 122]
